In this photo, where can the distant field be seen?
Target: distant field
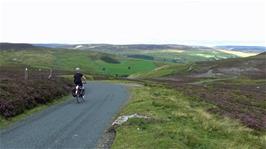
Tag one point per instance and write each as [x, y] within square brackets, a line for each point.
[172, 55]
[239, 53]
[166, 53]
[190, 56]
[162, 71]
[67, 60]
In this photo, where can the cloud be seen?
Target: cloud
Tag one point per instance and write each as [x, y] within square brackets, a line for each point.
[132, 21]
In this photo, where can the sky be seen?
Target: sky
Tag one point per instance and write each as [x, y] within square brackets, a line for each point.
[198, 22]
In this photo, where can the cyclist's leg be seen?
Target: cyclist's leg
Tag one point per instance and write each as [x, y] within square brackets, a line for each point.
[76, 88]
[83, 90]
[76, 92]
[80, 91]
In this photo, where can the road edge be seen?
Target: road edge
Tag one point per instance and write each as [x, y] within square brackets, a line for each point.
[107, 139]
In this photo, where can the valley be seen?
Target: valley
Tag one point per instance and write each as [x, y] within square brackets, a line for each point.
[194, 96]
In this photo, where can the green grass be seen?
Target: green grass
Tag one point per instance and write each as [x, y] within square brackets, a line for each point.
[90, 61]
[7, 122]
[163, 71]
[37, 58]
[67, 60]
[178, 121]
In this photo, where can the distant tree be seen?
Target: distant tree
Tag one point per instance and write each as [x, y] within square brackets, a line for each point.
[129, 67]
[103, 69]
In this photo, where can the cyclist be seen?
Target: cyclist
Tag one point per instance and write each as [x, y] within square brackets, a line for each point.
[78, 77]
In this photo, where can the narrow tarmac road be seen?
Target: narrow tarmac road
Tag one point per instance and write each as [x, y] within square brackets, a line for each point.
[68, 125]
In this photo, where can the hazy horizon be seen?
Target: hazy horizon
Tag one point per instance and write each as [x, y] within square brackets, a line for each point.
[190, 43]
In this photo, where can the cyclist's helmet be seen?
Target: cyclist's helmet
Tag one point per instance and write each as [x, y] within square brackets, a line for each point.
[77, 69]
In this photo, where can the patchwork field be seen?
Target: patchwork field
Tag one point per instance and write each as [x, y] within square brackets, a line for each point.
[173, 55]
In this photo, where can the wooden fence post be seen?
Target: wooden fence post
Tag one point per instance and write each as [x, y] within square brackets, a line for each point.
[50, 74]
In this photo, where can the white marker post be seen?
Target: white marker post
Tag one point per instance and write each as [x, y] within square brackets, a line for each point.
[26, 74]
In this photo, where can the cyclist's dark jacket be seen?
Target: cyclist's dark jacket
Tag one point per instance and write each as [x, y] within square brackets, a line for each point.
[77, 78]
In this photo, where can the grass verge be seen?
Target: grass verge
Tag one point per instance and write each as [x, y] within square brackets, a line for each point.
[179, 121]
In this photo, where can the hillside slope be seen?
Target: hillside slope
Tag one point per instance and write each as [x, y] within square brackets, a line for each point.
[254, 67]
[67, 60]
[237, 87]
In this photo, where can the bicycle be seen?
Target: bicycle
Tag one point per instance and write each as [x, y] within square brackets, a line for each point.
[78, 92]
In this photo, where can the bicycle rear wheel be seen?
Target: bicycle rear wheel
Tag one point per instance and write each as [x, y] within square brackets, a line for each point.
[77, 99]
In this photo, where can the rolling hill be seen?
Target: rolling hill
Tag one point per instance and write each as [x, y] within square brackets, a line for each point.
[67, 59]
[124, 47]
[107, 59]
[18, 46]
[253, 66]
[163, 53]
